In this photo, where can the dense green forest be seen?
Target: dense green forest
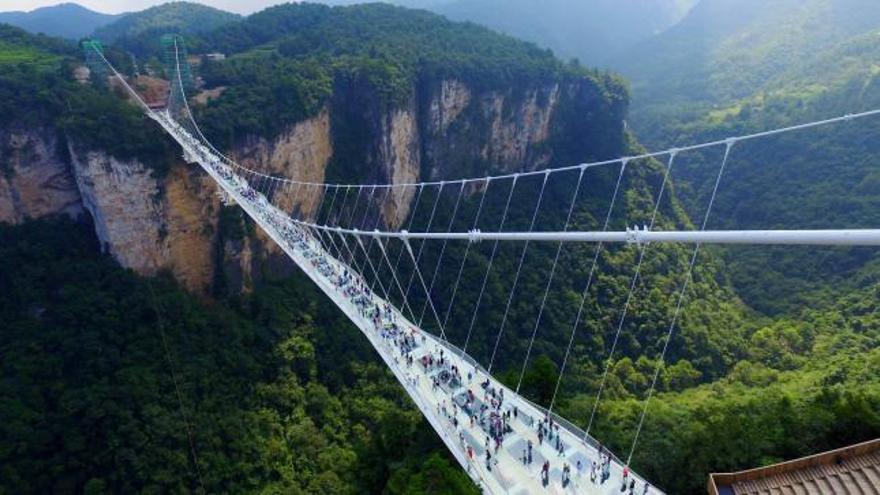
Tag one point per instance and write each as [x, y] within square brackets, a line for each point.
[139, 32]
[732, 68]
[289, 59]
[37, 90]
[111, 382]
[591, 31]
[725, 51]
[809, 382]
[808, 379]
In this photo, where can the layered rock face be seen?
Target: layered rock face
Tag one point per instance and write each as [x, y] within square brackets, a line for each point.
[300, 153]
[446, 130]
[35, 179]
[147, 223]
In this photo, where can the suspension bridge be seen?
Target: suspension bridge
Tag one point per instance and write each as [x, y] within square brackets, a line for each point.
[348, 239]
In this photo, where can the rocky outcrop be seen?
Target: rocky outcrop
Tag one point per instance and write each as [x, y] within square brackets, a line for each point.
[146, 223]
[189, 217]
[467, 133]
[400, 161]
[452, 98]
[515, 132]
[35, 179]
[446, 130]
[122, 199]
[300, 153]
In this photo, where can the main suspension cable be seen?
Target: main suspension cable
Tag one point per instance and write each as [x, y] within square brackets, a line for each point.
[655, 154]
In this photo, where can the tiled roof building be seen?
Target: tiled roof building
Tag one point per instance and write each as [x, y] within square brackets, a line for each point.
[853, 470]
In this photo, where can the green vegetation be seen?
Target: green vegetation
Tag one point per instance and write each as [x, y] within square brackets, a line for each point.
[14, 54]
[734, 67]
[591, 31]
[274, 404]
[284, 396]
[264, 93]
[290, 58]
[36, 89]
[804, 375]
[139, 32]
[810, 382]
[728, 50]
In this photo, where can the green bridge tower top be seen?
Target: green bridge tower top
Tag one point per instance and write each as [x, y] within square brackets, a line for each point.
[94, 54]
[174, 51]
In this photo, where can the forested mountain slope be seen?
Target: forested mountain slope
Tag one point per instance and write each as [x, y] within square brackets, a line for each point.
[731, 68]
[808, 383]
[727, 50]
[279, 393]
[139, 32]
[65, 20]
[591, 31]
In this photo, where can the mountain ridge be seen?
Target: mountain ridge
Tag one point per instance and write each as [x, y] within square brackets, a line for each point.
[733, 68]
[66, 20]
[591, 31]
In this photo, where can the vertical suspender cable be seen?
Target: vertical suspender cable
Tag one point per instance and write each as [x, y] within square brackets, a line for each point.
[467, 250]
[361, 224]
[384, 251]
[318, 233]
[369, 248]
[522, 258]
[574, 196]
[629, 295]
[678, 305]
[412, 217]
[418, 272]
[332, 220]
[342, 208]
[326, 222]
[586, 291]
[350, 222]
[442, 250]
[369, 262]
[489, 267]
[418, 257]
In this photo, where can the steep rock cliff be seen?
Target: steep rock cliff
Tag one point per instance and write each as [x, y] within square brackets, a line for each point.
[35, 179]
[447, 129]
[150, 223]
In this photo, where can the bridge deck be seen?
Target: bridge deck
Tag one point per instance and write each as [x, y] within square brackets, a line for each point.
[445, 401]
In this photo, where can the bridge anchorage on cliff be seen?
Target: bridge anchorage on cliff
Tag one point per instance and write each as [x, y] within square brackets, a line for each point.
[347, 238]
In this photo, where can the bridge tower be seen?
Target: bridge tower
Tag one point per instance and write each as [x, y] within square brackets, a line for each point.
[174, 55]
[178, 73]
[94, 50]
